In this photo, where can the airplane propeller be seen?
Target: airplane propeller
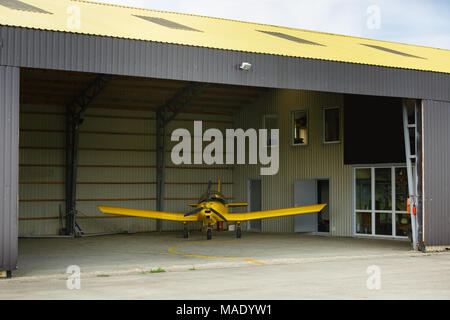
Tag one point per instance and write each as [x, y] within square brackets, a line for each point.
[193, 211]
[220, 215]
[208, 194]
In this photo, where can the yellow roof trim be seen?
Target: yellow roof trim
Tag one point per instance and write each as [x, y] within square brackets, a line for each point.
[121, 22]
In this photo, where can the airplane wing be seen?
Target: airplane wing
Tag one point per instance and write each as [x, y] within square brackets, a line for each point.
[237, 204]
[274, 213]
[147, 213]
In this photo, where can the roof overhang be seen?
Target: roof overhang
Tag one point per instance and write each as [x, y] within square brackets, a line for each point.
[33, 48]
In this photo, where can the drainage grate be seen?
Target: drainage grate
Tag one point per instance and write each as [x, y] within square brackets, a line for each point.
[19, 5]
[167, 23]
[391, 51]
[290, 38]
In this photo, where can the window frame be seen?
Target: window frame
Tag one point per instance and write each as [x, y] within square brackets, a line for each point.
[324, 125]
[373, 211]
[306, 110]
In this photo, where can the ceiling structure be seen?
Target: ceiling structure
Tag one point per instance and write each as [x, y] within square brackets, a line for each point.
[51, 87]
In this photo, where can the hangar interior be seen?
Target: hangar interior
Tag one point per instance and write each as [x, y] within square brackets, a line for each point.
[117, 166]
[117, 150]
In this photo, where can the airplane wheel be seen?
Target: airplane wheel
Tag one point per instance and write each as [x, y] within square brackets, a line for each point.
[208, 234]
[238, 233]
[185, 233]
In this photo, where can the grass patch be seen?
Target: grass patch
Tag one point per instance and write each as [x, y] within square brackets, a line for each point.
[157, 270]
[193, 268]
[102, 275]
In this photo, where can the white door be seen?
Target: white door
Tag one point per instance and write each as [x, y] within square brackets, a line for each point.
[305, 194]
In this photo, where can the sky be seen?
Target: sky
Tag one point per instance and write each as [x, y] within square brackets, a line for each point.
[419, 22]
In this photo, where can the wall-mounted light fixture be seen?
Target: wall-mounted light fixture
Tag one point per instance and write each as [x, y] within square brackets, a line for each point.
[245, 66]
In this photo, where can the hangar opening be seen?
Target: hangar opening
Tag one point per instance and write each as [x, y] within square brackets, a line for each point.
[329, 153]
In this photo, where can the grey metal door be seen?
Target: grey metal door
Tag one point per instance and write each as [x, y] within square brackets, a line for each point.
[254, 203]
[305, 194]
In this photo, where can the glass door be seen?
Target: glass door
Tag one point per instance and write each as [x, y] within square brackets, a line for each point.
[363, 200]
[380, 195]
[383, 201]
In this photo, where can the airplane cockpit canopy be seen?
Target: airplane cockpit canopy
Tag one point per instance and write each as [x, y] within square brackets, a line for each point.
[213, 196]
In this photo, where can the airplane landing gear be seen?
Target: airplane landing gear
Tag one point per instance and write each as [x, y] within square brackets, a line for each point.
[185, 231]
[209, 233]
[238, 230]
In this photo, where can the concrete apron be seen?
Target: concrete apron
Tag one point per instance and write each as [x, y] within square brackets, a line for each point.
[139, 253]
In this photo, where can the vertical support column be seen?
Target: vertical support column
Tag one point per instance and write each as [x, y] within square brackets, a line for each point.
[70, 165]
[9, 167]
[160, 162]
[412, 186]
[74, 118]
[164, 115]
[72, 134]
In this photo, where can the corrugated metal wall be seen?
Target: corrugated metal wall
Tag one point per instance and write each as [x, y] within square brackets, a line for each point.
[75, 52]
[436, 171]
[116, 167]
[9, 128]
[317, 160]
[42, 169]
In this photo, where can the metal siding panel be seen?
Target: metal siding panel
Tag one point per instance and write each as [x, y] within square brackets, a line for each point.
[9, 140]
[311, 162]
[436, 137]
[41, 174]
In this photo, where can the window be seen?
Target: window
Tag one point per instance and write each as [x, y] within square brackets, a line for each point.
[331, 125]
[380, 195]
[270, 121]
[299, 127]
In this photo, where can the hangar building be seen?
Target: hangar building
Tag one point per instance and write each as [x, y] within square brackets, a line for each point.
[90, 93]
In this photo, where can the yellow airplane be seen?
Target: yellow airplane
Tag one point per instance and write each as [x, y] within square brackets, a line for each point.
[212, 208]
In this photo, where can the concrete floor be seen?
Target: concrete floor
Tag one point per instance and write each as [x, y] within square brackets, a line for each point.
[258, 266]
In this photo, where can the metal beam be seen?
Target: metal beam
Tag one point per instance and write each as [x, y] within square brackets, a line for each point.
[9, 166]
[164, 114]
[419, 171]
[411, 165]
[75, 111]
